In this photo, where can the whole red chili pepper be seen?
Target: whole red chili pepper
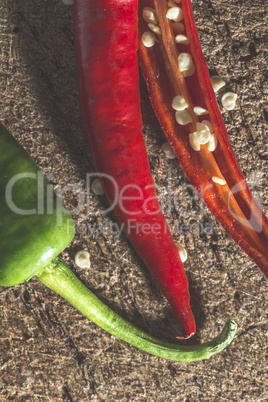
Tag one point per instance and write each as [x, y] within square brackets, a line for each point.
[178, 80]
[106, 52]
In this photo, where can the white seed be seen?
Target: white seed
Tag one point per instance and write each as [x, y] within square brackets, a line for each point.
[228, 100]
[208, 124]
[201, 126]
[189, 73]
[170, 154]
[178, 27]
[82, 259]
[217, 82]
[199, 111]
[202, 134]
[148, 39]
[97, 187]
[185, 61]
[149, 15]
[182, 39]
[212, 143]
[154, 28]
[175, 14]
[183, 253]
[183, 117]
[179, 103]
[68, 2]
[194, 144]
[218, 180]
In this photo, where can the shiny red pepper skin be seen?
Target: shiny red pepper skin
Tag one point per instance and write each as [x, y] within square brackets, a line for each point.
[106, 52]
[233, 205]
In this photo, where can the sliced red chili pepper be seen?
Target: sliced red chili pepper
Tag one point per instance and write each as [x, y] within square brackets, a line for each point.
[213, 171]
[106, 43]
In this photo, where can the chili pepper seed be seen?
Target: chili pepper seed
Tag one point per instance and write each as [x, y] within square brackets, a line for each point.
[154, 28]
[228, 100]
[208, 124]
[82, 259]
[199, 111]
[218, 180]
[175, 14]
[183, 117]
[202, 135]
[194, 144]
[212, 143]
[149, 15]
[97, 187]
[182, 39]
[217, 83]
[148, 39]
[185, 61]
[179, 103]
[183, 253]
[170, 154]
[190, 72]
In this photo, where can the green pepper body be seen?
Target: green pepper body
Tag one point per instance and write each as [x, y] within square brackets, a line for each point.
[34, 225]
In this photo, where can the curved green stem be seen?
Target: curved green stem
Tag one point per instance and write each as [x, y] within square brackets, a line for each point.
[58, 277]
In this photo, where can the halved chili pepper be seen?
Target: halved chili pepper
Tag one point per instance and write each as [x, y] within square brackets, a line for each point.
[107, 66]
[178, 80]
[35, 228]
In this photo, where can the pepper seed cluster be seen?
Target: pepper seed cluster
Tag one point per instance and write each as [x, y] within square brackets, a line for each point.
[184, 115]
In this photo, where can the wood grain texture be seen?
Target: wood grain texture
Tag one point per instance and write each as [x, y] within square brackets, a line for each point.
[49, 352]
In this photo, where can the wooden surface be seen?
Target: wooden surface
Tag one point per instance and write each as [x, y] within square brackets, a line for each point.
[49, 352]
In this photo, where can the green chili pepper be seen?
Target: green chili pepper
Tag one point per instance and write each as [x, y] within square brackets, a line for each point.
[35, 227]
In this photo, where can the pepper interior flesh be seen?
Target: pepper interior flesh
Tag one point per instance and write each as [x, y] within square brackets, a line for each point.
[212, 169]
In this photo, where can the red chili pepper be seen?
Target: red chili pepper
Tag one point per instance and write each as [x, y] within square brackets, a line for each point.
[106, 43]
[227, 195]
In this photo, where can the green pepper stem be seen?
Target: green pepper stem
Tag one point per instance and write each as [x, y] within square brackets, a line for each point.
[58, 277]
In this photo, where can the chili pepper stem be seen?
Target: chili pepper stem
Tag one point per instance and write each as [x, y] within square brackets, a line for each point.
[58, 277]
